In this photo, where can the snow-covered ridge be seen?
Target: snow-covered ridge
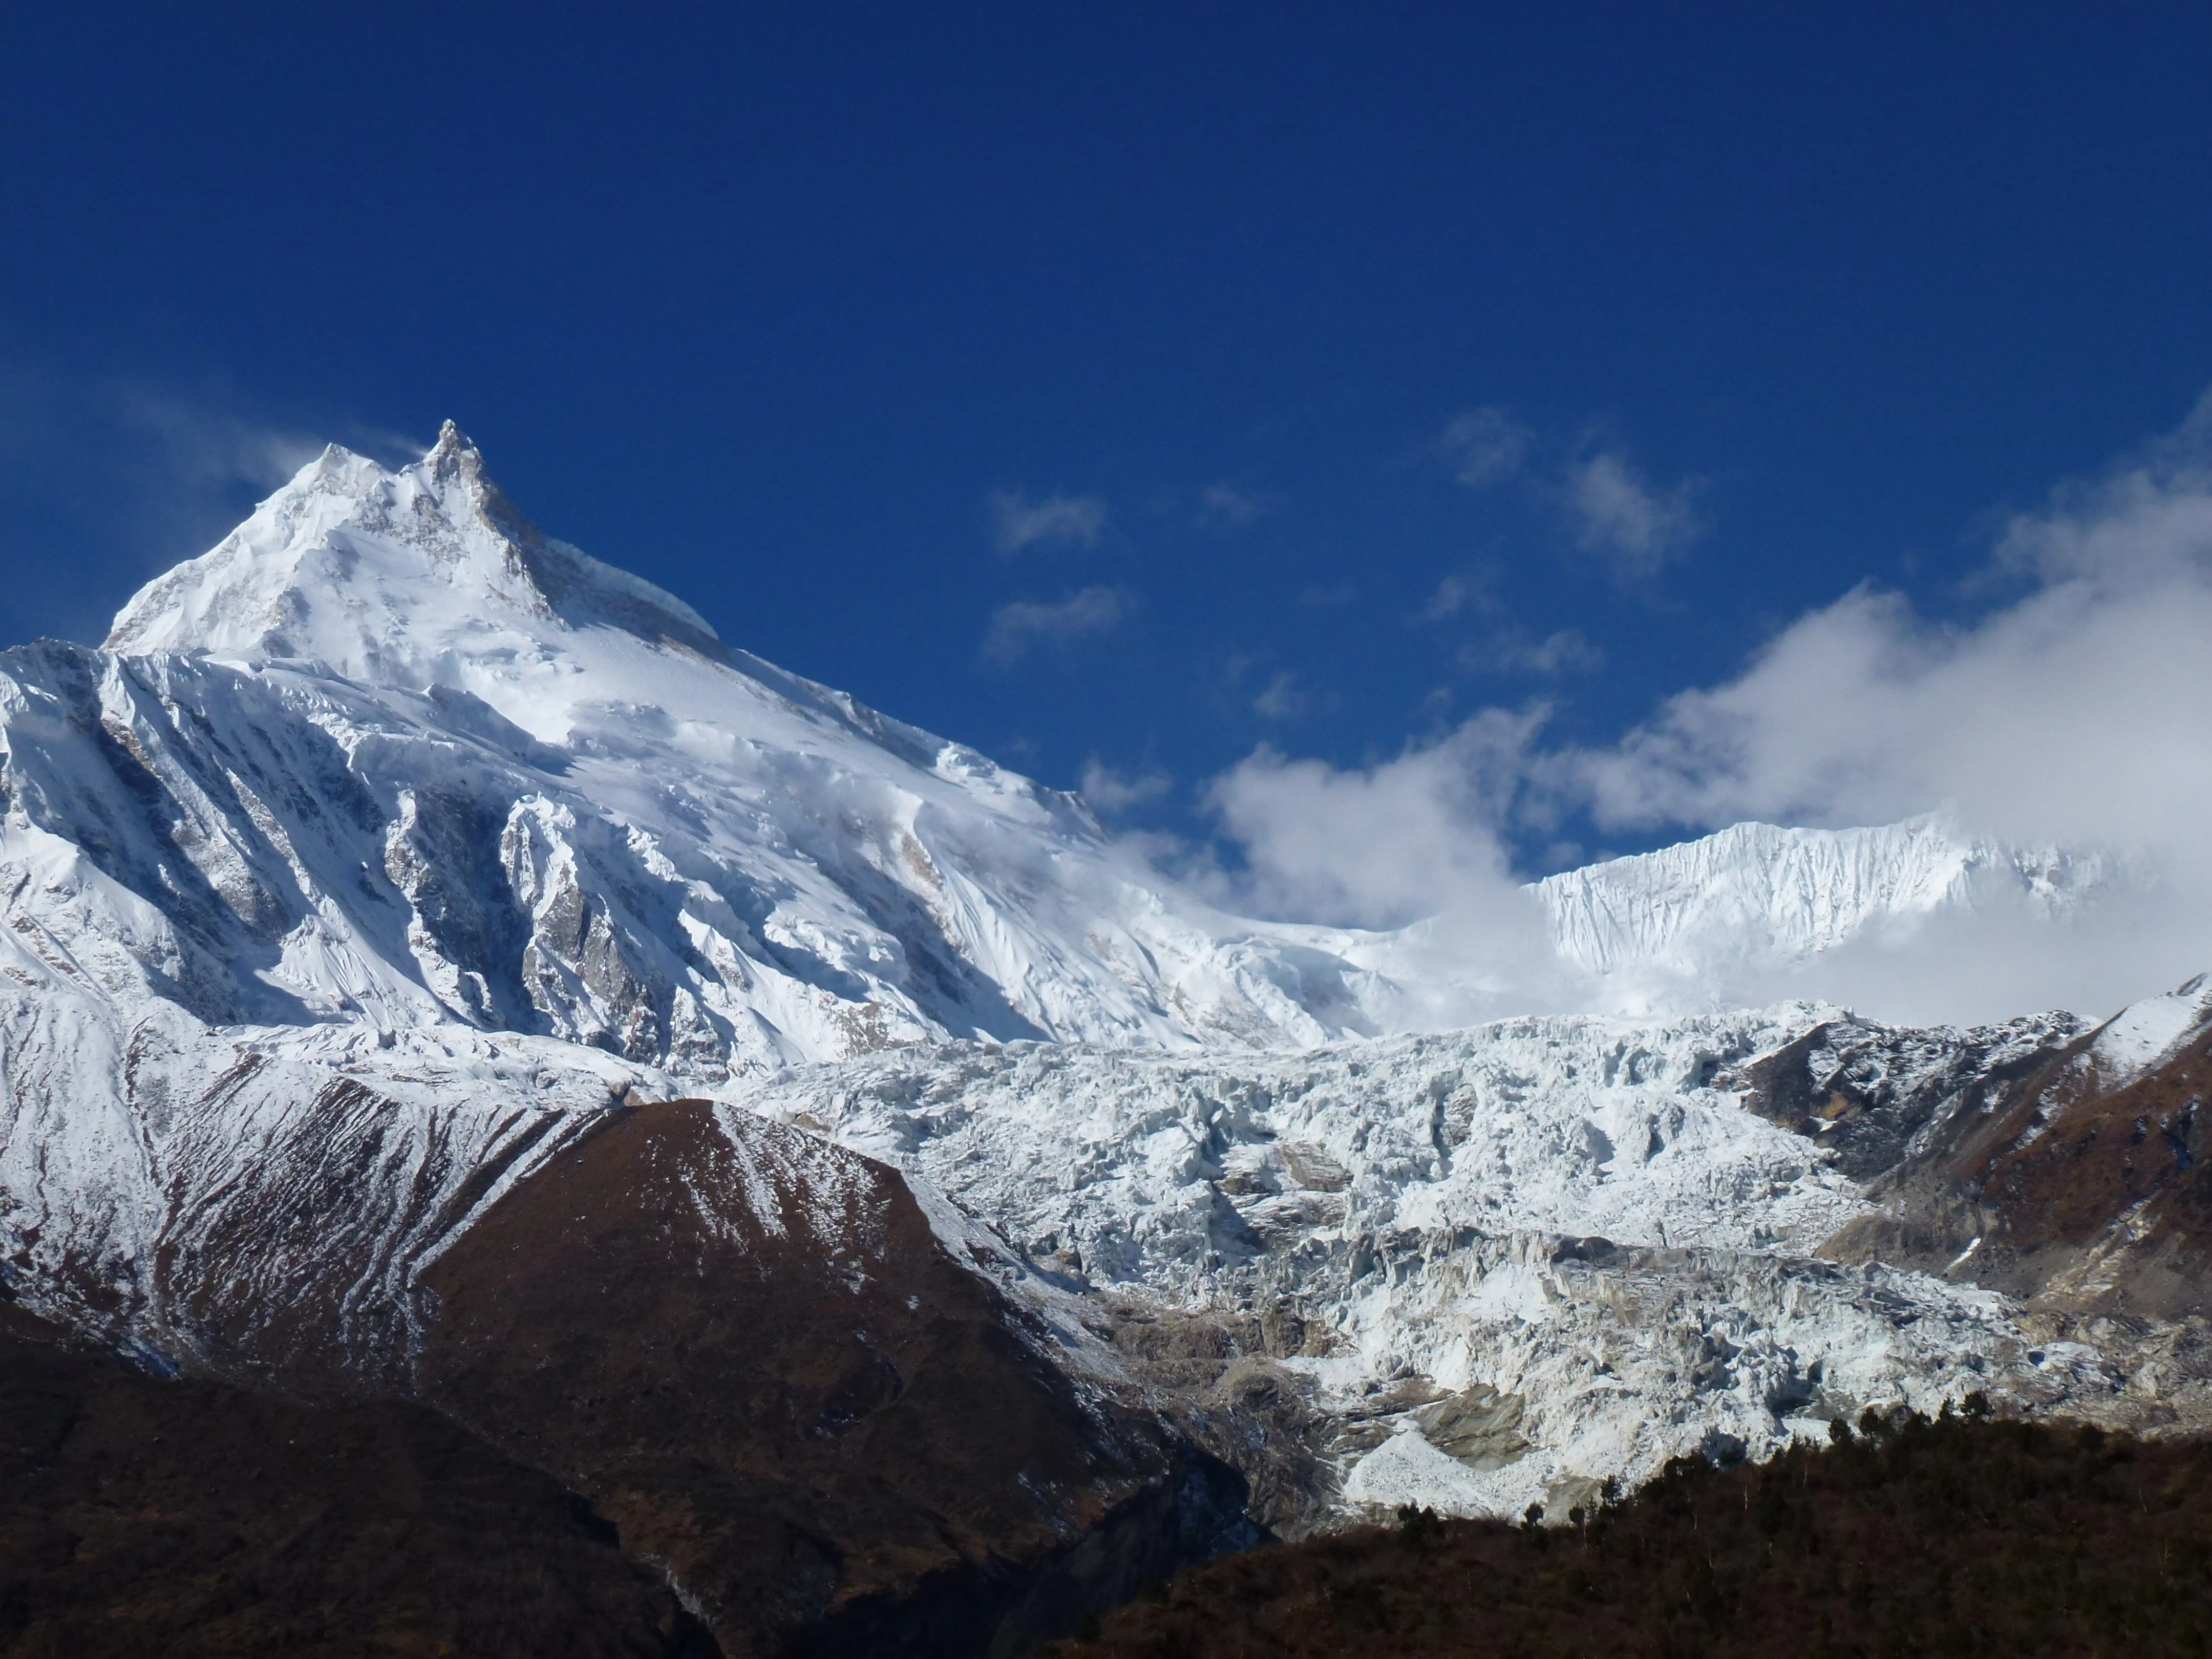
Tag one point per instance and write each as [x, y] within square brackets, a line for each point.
[388, 754]
[391, 577]
[1758, 892]
[577, 812]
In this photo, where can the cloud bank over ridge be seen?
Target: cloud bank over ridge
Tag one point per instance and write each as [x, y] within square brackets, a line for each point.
[2076, 712]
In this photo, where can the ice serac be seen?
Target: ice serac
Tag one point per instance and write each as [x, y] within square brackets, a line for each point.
[1487, 1268]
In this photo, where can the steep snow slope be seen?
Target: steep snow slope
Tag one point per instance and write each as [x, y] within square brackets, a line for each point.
[389, 755]
[257, 1201]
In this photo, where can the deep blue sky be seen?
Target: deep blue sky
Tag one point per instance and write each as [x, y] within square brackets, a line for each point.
[775, 306]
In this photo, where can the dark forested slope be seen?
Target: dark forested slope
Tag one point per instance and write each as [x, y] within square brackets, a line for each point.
[1956, 1537]
[142, 1516]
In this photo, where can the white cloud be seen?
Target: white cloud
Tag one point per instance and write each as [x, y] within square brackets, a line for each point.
[1616, 511]
[1112, 792]
[1485, 447]
[2077, 713]
[1073, 520]
[1379, 846]
[1016, 628]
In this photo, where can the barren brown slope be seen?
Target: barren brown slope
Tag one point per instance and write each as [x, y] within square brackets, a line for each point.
[749, 1347]
[2089, 1196]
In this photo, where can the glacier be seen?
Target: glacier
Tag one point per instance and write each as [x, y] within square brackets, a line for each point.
[1569, 1228]
[384, 850]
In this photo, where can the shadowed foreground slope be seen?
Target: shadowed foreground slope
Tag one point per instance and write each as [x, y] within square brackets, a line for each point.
[699, 1385]
[140, 1516]
[1948, 1538]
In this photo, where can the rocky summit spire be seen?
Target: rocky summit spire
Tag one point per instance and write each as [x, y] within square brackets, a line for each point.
[454, 457]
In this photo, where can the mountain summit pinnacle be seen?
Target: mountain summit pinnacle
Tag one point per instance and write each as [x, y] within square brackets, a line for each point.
[397, 578]
[454, 457]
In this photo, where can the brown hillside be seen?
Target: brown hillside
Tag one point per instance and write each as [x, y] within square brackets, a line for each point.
[2093, 1199]
[749, 1348]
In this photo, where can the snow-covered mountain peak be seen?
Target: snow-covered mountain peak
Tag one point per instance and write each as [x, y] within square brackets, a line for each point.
[389, 754]
[571, 811]
[423, 576]
[391, 842]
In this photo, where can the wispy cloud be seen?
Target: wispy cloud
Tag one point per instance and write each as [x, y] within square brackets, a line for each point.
[1111, 792]
[1485, 447]
[123, 478]
[1455, 595]
[1068, 520]
[1616, 512]
[1502, 645]
[1283, 699]
[204, 449]
[1222, 506]
[1568, 650]
[1610, 507]
[1027, 624]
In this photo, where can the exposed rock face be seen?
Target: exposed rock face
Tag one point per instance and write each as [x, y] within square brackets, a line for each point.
[1867, 1094]
[2080, 1185]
